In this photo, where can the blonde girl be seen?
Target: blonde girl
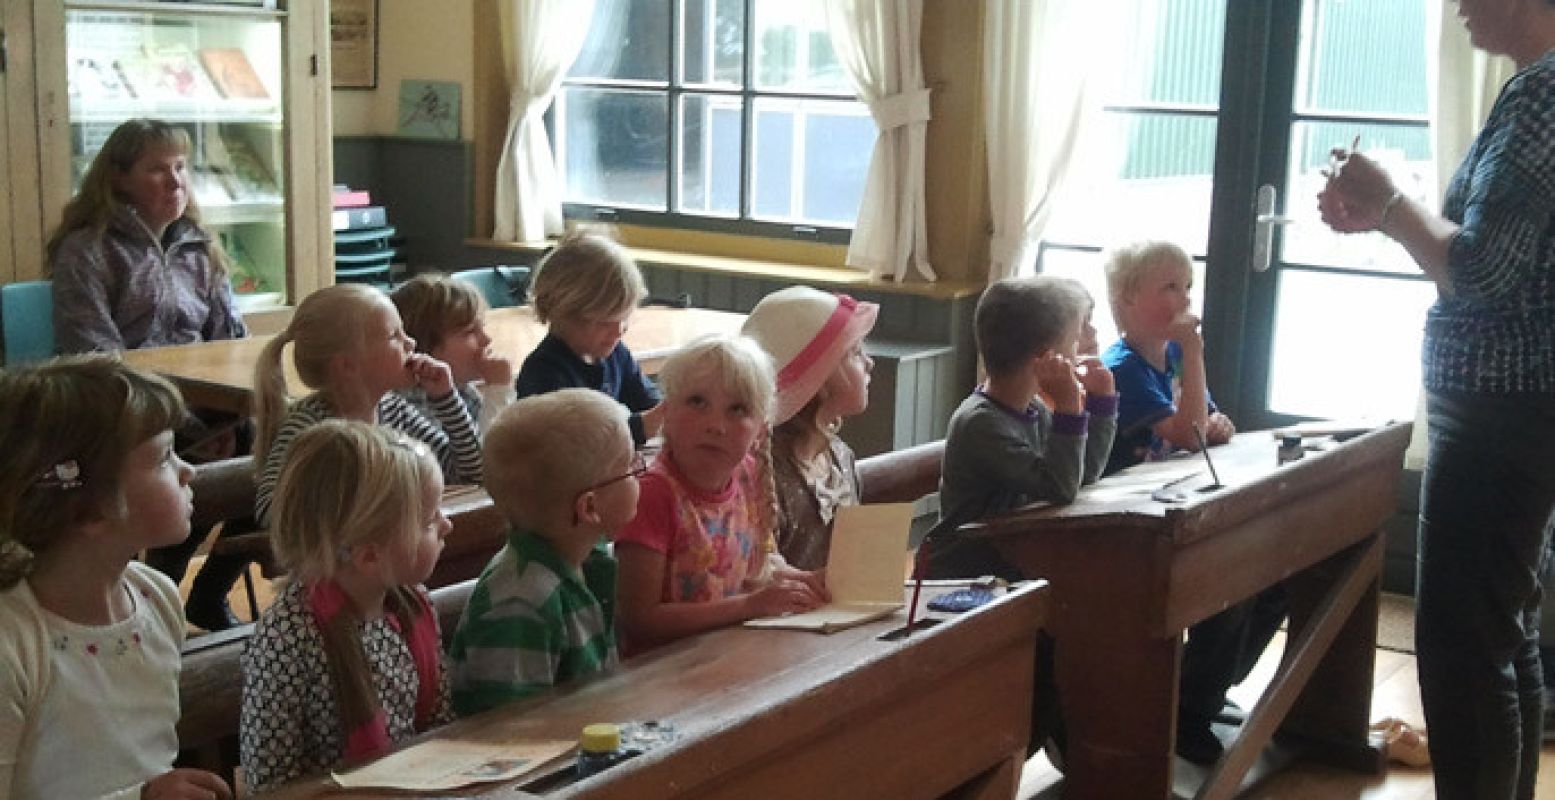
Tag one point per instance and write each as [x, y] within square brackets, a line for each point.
[700, 553]
[586, 290]
[447, 318]
[130, 265]
[348, 660]
[90, 637]
[349, 347]
[816, 339]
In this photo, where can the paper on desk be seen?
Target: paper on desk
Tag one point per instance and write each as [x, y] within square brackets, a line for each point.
[442, 764]
[863, 569]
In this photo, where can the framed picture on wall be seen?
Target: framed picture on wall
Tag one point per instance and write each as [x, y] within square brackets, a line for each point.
[353, 44]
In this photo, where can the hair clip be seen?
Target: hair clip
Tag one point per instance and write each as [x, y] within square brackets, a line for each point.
[65, 475]
[414, 446]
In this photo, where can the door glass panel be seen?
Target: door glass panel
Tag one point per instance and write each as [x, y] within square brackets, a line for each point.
[1360, 75]
[1347, 346]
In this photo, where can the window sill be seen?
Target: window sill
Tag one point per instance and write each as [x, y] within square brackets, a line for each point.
[833, 278]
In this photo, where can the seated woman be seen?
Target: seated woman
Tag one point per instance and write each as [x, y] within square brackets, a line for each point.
[131, 267]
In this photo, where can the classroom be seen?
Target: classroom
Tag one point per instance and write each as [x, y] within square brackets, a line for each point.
[1324, 181]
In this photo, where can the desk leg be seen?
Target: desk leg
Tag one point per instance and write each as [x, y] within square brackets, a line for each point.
[1330, 718]
[1119, 696]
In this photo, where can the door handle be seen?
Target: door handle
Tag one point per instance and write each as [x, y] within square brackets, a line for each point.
[1263, 226]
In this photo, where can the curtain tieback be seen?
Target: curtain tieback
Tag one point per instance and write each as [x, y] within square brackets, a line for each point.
[897, 110]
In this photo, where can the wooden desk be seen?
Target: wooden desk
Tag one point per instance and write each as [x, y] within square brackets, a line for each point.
[220, 375]
[793, 714]
[1129, 574]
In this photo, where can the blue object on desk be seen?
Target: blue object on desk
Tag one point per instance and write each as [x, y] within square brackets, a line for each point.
[961, 600]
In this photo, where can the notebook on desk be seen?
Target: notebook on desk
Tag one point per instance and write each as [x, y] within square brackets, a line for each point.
[863, 570]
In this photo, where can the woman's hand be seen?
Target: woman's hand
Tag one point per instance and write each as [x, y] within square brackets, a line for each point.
[1356, 193]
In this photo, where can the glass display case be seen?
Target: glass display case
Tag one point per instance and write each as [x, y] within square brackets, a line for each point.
[247, 79]
[218, 75]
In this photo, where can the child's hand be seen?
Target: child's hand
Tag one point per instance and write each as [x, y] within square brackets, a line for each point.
[1220, 429]
[1096, 378]
[431, 374]
[496, 370]
[816, 580]
[781, 597]
[1056, 378]
[1185, 332]
[186, 784]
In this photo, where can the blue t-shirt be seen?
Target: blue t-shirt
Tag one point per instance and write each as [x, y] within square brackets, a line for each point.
[554, 366]
[1146, 396]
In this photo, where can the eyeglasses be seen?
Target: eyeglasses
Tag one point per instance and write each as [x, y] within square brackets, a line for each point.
[636, 469]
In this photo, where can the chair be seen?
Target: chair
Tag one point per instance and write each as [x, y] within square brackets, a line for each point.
[27, 321]
[502, 286]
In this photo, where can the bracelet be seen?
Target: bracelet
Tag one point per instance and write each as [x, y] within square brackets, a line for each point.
[1387, 208]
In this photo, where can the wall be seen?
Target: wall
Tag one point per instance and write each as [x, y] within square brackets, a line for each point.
[416, 40]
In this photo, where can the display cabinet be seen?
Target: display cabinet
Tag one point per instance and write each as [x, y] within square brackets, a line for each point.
[247, 79]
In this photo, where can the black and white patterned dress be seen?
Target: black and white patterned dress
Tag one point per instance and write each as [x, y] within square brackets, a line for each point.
[291, 723]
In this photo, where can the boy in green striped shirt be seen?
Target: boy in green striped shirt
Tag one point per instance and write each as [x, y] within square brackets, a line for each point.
[561, 468]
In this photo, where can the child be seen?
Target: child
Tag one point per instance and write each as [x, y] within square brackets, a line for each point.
[586, 290]
[817, 341]
[447, 318]
[348, 660]
[1039, 428]
[1159, 368]
[90, 637]
[564, 474]
[700, 554]
[1159, 361]
[349, 347]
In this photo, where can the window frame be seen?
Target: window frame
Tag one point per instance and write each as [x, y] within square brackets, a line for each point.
[673, 90]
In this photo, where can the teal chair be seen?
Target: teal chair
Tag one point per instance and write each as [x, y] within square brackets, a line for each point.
[501, 286]
[27, 321]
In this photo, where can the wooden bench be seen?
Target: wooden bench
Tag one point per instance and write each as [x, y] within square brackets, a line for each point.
[211, 682]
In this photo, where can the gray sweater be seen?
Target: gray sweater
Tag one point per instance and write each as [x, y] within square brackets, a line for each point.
[998, 458]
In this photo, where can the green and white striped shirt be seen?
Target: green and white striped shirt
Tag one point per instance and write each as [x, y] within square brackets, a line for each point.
[533, 621]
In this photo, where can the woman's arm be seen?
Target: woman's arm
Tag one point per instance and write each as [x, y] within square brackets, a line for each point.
[83, 319]
[1361, 197]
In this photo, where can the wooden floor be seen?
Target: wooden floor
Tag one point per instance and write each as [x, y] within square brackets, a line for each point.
[1396, 693]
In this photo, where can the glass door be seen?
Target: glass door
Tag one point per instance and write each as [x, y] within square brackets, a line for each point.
[1335, 322]
[216, 72]
[1211, 101]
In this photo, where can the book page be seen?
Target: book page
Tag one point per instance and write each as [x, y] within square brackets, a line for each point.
[439, 765]
[863, 569]
[868, 553]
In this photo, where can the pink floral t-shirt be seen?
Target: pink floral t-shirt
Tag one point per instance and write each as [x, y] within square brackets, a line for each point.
[712, 542]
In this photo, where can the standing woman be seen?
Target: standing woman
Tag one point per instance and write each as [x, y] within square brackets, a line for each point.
[130, 264]
[1489, 374]
[131, 268]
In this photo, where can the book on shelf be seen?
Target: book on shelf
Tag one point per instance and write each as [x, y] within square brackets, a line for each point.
[210, 189]
[864, 570]
[166, 74]
[243, 172]
[345, 197]
[97, 79]
[352, 219]
[232, 73]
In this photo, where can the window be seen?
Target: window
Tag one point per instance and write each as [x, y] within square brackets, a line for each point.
[718, 114]
[1331, 308]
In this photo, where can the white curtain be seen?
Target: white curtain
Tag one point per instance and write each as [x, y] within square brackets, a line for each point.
[877, 42]
[1038, 59]
[541, 40]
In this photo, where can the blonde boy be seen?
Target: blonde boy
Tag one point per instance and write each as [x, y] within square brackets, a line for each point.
[1159, 361]
[564, 474]
[447, 318]
[586, 289]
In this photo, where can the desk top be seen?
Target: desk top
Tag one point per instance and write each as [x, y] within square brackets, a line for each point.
[743, 693]
[219, 375]
[1252, 482]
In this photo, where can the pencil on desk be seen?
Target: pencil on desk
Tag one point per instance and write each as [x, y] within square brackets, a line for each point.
[917, 589]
